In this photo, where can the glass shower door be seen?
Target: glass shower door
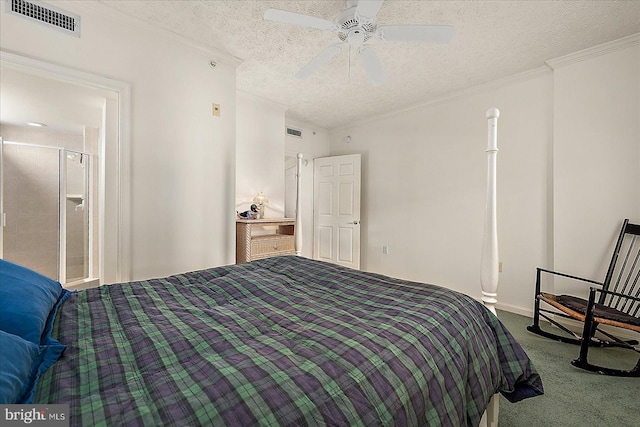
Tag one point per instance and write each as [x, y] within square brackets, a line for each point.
[75, 225]
[30, 194]
[44, 210]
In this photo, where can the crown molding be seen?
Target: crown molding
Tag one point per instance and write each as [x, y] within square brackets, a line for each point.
[100, 9]
[474, 90]
[602, 49]
[262, 100]
[595, 51]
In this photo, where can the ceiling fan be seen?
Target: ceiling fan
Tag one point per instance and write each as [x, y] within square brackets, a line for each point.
[355, 26]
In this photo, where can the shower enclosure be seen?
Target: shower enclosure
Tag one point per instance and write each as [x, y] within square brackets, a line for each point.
[45, 198]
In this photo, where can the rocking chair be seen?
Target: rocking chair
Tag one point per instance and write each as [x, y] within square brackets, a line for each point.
[617, 304]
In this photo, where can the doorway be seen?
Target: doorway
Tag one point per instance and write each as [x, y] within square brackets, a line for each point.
[111, 163]
[331, 192]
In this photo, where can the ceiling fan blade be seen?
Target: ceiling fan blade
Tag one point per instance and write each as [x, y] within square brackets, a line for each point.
[371, 64]
[416, 33]
[317, 62]
[368, 8]
[297, 19]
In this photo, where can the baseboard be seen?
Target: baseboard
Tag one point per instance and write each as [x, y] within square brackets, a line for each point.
[516, 310]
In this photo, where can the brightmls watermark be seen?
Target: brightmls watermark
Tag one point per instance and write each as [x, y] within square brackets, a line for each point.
[35, 415]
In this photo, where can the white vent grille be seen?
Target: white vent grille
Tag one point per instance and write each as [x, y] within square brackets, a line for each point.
[294, 132]
[52, 17]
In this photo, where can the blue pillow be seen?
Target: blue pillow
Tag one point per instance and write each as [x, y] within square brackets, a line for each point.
[22, 364]
[27, 299]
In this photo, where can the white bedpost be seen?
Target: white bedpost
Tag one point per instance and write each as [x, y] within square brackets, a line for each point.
[298, 226]
[489, 263]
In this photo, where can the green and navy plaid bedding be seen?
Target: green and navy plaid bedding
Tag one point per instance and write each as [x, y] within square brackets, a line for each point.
[281, 341]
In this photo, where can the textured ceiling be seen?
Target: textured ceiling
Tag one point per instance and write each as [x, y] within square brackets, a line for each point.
[493, 39]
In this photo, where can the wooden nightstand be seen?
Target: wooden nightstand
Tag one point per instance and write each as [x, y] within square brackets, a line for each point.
[264, 238]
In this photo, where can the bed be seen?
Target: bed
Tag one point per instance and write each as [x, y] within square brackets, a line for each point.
[280, 341]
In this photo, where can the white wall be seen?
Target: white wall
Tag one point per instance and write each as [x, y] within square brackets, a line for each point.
[596, 156]
[313, 143]
[424, 173]
[260, 153]
[568, 172]
[182, 183]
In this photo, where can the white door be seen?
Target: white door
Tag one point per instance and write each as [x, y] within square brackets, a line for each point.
[336, 210]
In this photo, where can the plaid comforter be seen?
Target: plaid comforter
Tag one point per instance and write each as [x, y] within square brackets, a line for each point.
[281, 341]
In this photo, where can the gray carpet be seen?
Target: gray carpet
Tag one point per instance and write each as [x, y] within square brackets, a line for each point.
[573, 397]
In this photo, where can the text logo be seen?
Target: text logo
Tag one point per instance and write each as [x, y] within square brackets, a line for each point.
[36, 415]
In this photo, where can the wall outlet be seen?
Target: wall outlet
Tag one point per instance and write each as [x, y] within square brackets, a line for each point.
[385, 249]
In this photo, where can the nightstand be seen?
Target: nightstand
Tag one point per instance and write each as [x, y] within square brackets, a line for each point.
[264, 238]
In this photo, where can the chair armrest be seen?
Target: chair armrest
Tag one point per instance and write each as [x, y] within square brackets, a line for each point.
[618, 294]
[569, 276]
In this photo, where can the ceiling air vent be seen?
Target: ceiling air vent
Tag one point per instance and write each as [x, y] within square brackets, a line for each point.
[294, 132]
[52, 17]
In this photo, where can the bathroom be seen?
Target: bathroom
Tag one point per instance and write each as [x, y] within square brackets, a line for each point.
[50, 133]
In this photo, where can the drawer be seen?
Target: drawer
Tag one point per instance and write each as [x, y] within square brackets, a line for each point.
[271, 245]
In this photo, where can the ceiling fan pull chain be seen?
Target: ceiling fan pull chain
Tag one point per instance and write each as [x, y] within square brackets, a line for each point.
[349, 62]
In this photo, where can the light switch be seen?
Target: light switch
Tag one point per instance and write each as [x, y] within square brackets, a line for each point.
[216, 110]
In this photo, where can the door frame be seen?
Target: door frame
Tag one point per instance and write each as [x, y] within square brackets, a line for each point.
[115, 258]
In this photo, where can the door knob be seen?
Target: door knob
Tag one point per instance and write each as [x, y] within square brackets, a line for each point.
[356, 222]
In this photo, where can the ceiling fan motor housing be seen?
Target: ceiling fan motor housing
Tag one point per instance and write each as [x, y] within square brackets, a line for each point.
[353, 31]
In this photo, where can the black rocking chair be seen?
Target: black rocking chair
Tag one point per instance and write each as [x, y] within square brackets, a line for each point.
[617, 304]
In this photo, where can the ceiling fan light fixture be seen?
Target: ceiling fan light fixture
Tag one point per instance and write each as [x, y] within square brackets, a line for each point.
[36, 124]
[356, 37]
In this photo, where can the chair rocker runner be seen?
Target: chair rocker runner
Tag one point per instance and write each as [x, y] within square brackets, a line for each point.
[613, 302]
